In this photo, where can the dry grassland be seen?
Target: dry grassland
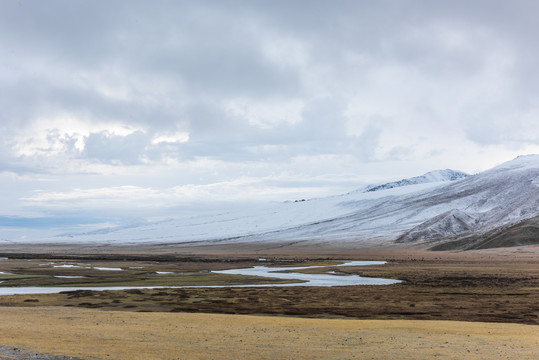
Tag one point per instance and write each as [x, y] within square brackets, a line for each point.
[95, 334]
[495, 286]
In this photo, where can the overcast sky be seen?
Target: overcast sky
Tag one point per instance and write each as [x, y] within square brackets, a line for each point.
[119, 109]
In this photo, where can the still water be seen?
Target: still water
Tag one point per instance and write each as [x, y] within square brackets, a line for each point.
[328, 279]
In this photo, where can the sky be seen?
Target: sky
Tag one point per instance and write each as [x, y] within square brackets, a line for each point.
[118, 110]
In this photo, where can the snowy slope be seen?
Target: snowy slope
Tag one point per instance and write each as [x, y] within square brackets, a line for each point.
[422, 211]
[261, 222]
[430, 177]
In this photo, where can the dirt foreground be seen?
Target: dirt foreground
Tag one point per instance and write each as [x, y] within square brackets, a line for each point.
[94, 334]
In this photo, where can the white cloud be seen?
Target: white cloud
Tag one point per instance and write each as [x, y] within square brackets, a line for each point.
[265, 114]
[217, 100]
[180, 137]
[162, 202]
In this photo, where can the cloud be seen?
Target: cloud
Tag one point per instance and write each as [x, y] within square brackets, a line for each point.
[110, 148]
[133, 93]
[133, 200]
[229, 72]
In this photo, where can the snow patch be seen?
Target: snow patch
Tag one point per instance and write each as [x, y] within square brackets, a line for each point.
[451, 223]
[430, 177]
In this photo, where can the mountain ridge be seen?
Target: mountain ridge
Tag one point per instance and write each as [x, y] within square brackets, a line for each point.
[430, 177]
[462, 213]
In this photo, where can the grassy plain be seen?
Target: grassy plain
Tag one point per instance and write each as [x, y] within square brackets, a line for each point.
[494, 295]
[95, 334]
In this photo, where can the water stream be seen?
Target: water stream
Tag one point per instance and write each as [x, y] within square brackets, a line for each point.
[328, 279]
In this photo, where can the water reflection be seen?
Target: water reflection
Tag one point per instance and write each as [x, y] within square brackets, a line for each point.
[327, 279]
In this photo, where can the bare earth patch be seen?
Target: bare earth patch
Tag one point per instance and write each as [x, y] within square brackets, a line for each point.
[17, 353]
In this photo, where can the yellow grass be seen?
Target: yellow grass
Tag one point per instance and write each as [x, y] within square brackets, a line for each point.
[94, 334]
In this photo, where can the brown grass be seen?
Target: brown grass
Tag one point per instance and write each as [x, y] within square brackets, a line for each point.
[94, 334]
[490, 285]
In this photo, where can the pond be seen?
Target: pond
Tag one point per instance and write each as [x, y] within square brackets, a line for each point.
[328, 279]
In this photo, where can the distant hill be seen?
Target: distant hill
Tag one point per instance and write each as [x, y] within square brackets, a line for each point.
[443, 209]
[521, 234]
[430, 177]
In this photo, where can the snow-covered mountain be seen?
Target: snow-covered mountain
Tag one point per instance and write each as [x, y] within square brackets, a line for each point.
[430, 177]
[441, 207]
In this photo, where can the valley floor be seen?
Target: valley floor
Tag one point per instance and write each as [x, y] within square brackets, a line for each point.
[452, 305]
[94, 334]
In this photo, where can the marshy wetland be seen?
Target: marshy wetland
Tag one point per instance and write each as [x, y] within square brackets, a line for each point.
[500, 293]
[41, 280]
[501, 290]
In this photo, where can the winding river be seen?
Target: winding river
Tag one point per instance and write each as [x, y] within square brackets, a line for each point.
[327, 279]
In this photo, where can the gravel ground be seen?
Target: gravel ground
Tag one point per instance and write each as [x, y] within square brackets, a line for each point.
[14, 353]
